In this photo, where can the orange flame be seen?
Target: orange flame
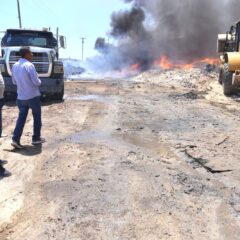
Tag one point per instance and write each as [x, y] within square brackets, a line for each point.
[135, 67]
[165, 63]
[209, 60]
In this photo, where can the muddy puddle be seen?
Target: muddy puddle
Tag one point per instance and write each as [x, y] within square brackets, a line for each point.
[94, 98]
[99, 136]
[83, 137]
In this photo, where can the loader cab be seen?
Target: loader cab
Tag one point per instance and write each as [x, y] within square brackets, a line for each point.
[232, 43]
[237, 34]
[228, 48]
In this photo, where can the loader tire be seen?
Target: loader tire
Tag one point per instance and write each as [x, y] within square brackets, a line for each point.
[220, 76]
[228, 87]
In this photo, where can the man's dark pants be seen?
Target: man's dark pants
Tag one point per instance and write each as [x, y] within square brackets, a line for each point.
[24, 106]
[1, 106]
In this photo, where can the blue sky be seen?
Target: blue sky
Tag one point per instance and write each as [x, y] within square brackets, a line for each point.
[75, 19]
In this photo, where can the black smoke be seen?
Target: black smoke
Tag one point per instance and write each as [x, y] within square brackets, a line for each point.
[183, 30]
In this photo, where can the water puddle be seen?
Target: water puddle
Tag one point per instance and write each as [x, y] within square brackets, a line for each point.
[95, 137]
[96, 98]
[84, 137]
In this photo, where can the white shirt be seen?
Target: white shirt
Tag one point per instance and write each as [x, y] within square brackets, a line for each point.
[2, 86]
[25, 76]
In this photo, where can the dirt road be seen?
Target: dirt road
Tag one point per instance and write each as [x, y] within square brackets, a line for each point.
[148, 158]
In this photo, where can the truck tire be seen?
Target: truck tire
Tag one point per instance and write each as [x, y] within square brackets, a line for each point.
[59, 96]
[228, 87]
[220, 76]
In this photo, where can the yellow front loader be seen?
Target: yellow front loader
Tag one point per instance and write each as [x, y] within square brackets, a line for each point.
[228, 48]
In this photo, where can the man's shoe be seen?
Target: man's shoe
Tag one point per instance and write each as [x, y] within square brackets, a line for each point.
[3, 162]
[38, 141]
[16, 144]
[4, 172]
[4, 136]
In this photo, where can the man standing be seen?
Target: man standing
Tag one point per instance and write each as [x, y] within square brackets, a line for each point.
[3, 171]
[2, 87]
[24, 75]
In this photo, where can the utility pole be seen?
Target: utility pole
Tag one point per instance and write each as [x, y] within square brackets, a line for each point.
[19, 14]
[57, 42]
[83, 41]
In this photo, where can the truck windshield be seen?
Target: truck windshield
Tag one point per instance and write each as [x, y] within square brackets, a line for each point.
[29, 39]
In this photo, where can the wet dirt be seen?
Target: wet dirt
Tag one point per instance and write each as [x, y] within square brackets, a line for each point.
[156, 157]
[97, 98]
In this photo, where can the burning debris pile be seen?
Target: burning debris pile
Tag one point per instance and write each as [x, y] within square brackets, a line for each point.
[167, 34]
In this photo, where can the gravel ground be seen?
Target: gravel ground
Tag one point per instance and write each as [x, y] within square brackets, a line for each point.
[147, 158]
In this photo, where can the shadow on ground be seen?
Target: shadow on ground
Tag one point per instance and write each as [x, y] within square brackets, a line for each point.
[27, 150]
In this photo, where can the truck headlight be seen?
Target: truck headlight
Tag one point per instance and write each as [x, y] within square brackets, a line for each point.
[58, 69]
[2, 68]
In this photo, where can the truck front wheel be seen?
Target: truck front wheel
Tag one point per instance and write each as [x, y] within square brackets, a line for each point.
[59, 96]
[228, 87]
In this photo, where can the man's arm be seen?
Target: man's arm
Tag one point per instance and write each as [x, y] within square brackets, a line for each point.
[13, 76]
[34, 76]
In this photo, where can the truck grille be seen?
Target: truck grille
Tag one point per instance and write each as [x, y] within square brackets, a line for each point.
[40, 61]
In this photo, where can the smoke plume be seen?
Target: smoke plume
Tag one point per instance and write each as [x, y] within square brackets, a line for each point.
[181, 30]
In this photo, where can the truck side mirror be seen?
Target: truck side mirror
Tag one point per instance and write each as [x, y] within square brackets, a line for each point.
[62, 41]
